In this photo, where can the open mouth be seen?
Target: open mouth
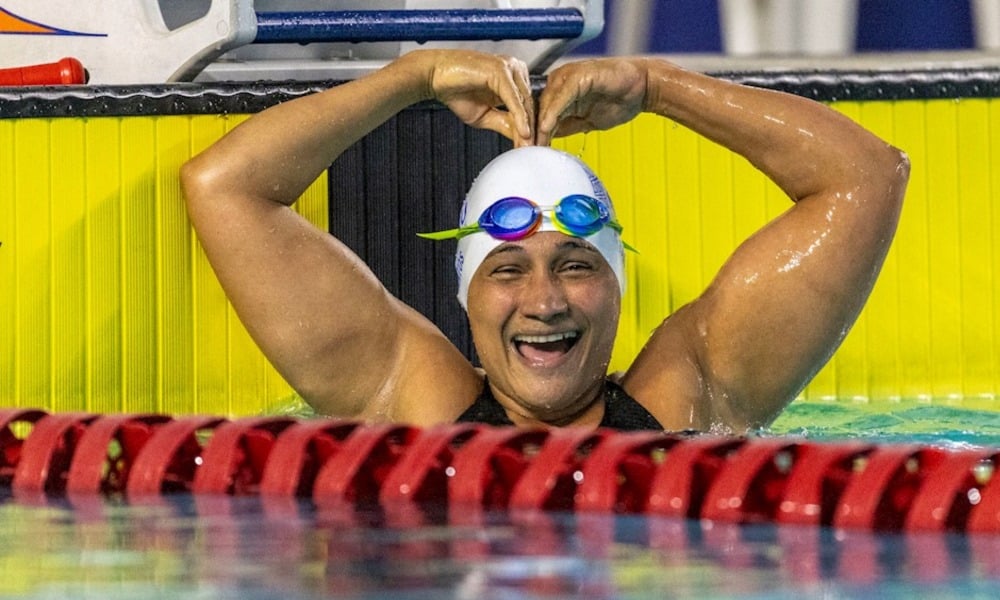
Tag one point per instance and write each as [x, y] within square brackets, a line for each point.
[544, 349]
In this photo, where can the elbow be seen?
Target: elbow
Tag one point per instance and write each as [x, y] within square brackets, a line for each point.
[884, 174]
[877, 157]
[898, 176]
[194, 180]
[893, 162]
[899, 163]
[203, 185]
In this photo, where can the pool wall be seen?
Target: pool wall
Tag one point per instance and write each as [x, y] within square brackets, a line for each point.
[107, 303]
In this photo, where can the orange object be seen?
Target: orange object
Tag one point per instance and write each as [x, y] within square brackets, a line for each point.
[67, 71]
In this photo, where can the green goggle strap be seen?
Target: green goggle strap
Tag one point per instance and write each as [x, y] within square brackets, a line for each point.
[461, 232]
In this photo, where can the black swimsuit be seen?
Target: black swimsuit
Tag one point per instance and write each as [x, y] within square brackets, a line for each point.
[621, 411]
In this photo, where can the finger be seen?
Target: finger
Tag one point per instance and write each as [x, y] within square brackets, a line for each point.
[502, 122]
[543, 138]
[560, 93]
[522, 80]
[515, 93]
[521, 142]
[551, 117]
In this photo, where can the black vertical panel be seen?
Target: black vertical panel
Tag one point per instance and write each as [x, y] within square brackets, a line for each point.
[411, 175]
[346, 183]
[451, 181]
[417, 278]
[381, 172]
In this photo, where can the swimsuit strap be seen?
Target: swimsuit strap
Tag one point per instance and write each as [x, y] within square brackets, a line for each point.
[622, 412]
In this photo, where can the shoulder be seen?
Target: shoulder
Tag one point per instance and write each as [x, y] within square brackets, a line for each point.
[667, 377]
[433, 382]
[414, 375]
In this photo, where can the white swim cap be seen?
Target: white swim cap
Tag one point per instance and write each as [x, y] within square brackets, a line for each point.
[545, 176]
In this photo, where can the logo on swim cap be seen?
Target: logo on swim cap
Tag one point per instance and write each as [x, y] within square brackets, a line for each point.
[599, 190]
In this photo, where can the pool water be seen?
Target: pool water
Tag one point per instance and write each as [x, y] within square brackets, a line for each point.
[939, 424]
[207, 546]
[221, 547]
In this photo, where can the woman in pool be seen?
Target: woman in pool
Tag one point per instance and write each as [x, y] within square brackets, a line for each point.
[543, 291]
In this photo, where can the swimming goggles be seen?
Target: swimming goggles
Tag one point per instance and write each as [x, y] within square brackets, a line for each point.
[515, 218]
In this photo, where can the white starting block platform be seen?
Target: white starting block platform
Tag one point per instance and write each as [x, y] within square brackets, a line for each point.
[162, 41]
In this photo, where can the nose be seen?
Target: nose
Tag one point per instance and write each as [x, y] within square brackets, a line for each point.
[544, 298]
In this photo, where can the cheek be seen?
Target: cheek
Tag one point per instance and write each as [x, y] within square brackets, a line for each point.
[602, 306]
[487, 310]
[611, 311]
[599, 298]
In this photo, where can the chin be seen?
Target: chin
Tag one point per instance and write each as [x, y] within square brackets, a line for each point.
[553, 396]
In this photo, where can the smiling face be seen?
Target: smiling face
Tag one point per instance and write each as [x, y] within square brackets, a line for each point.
[542, 176]
[544, 312]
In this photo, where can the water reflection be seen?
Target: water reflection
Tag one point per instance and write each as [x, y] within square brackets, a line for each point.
[220, 546]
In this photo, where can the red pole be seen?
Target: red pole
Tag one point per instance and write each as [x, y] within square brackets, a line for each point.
[67, 71]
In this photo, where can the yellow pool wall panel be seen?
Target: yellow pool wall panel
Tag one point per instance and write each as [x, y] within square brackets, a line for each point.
[109, 305]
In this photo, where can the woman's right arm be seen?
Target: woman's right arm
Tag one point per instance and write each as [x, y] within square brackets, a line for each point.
[314, 308]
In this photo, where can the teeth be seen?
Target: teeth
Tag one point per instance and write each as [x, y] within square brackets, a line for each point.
[543, 339]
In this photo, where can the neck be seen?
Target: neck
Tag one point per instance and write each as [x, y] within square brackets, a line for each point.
[587, 412]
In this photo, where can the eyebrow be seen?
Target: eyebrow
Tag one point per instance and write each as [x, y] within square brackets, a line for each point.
[505, 247]
[577, 243]
[569, 244]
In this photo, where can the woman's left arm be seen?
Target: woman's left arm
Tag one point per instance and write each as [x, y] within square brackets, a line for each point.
[785, 299]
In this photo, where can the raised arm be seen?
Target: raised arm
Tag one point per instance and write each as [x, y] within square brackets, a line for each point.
[786, 298]
[315, 309]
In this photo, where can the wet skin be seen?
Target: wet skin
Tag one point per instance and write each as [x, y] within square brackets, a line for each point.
[544, 313]
[731, 358]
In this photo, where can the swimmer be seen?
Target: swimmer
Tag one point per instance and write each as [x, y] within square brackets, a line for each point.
[540, 251]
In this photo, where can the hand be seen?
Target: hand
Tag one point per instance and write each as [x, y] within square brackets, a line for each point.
[474, 85]
[591, 94]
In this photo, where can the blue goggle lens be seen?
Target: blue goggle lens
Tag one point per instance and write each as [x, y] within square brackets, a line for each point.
[580, 215]
[511, 219]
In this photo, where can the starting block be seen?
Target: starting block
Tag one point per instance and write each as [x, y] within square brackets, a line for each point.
[157, 41]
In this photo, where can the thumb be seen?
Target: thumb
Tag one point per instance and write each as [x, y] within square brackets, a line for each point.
[503, 123]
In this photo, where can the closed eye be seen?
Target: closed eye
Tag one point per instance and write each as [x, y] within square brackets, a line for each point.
[507, 272]
[577, 266]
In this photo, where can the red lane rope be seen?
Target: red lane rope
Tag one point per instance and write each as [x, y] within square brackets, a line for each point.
[466, 468]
